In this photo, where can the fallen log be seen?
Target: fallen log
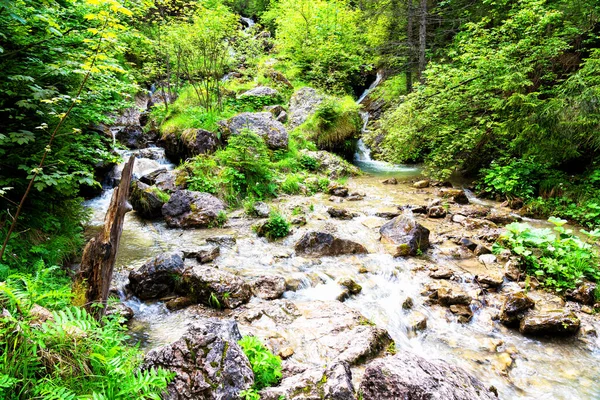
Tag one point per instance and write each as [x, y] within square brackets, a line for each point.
[98, 260]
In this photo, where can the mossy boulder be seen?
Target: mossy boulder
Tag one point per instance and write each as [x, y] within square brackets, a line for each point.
[188, 209]
[147, 201]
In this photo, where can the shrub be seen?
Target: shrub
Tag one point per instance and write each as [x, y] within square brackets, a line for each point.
[559, 259]
[291, 184]
[275, 227]
[309, 163]
[265, 365]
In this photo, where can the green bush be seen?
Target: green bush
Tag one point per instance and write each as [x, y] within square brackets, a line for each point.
[559, 259]
[276, 227]
[265, 365]
[292, 184]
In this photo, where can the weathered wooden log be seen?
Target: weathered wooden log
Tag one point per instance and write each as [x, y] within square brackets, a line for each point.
[98, 260]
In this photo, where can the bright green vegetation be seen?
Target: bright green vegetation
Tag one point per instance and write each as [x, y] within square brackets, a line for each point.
[276, 227]
[265, 365]
[70, 355]
[558, 259]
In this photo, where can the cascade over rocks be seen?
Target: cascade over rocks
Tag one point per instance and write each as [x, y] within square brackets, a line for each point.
[410, 377]
[187, 209]
[158, 277]
[325, 244]
[405, 236]
[303, 104]
[207, 362]
[261, 123]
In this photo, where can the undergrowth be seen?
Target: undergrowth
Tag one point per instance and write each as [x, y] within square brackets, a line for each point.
[265, 366]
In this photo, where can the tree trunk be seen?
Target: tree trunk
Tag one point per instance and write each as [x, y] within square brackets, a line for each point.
[98, 260]
[422, 38]
[410, 45]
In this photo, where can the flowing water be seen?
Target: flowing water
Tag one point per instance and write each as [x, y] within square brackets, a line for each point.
[517, 366]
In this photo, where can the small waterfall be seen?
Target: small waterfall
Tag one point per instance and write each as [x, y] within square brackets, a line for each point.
[249, 22]
[371, 88]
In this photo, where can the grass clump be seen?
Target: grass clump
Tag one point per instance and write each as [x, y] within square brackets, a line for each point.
[557, 258]
[335, 125]
[276, 227]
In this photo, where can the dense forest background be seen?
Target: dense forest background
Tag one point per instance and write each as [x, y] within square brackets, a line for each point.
[503, 92]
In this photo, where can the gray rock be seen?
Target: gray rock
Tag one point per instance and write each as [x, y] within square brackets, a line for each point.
[333, 383]
[390, 181]
[207, 362]
[261, 209]
[119, 309]
[145, 200]
[352, 287]
[436, 212]
[158, 277]
[269, 287]
[501, 217]
[332, 165]
[303, 104]
[205, 254]
[261, 123]
[410, 377]
[558, 322]
[456, 195]
[222, 240]
[514, 308]
[189, 143]
[214, 287]
[405, 236]
[187, 209]
[339, 213]
[261, 91]
[337, 190]
[162, 179]
[325, 244]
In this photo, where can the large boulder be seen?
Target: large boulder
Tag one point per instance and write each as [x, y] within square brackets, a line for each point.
[187, 209]
[261, 123]
[147, 201]
[269, 287]
[584, 293]
[261, 91]
[214, 287]
[325, 244]
[410, 377]
[167, 181]
[158, 277]
[404, 236]
[332, 383]
[303, 104]
[555, 322]
[189, 143]
[207, 361]
[331, 165]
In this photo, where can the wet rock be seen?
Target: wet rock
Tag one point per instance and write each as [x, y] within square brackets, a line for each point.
[583, 294]
[514, 308]
[331, 164]
[462, 311]
[215, 288]
[436, 212]
[501, 217]
[187, 209]
[550, 323]
[417, 322]
[325, 244]
[207, 362]
[339, 213]
[487, 259]
[261, 209]
[119, 309]
[335, 199]
[405, 235]
[448, 296]
[222, 240]
[491, 279]
[408, 303]
[466, 242]
[479, 250]
[409, 377]
[269, 287]
[261, 91]
[298, 221]
[456, 195]
[205, 254]
[442, 273]
[421, 184]
[157, 277]
[355, 197]
[179, 303]
[387, 214]
[333, 383]
[162, 179]
[390, 181]
[353, 287]
[147, 201]
[261, 123]
[303, 104]
[459, 219]
[337, 190]
[343, 296]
